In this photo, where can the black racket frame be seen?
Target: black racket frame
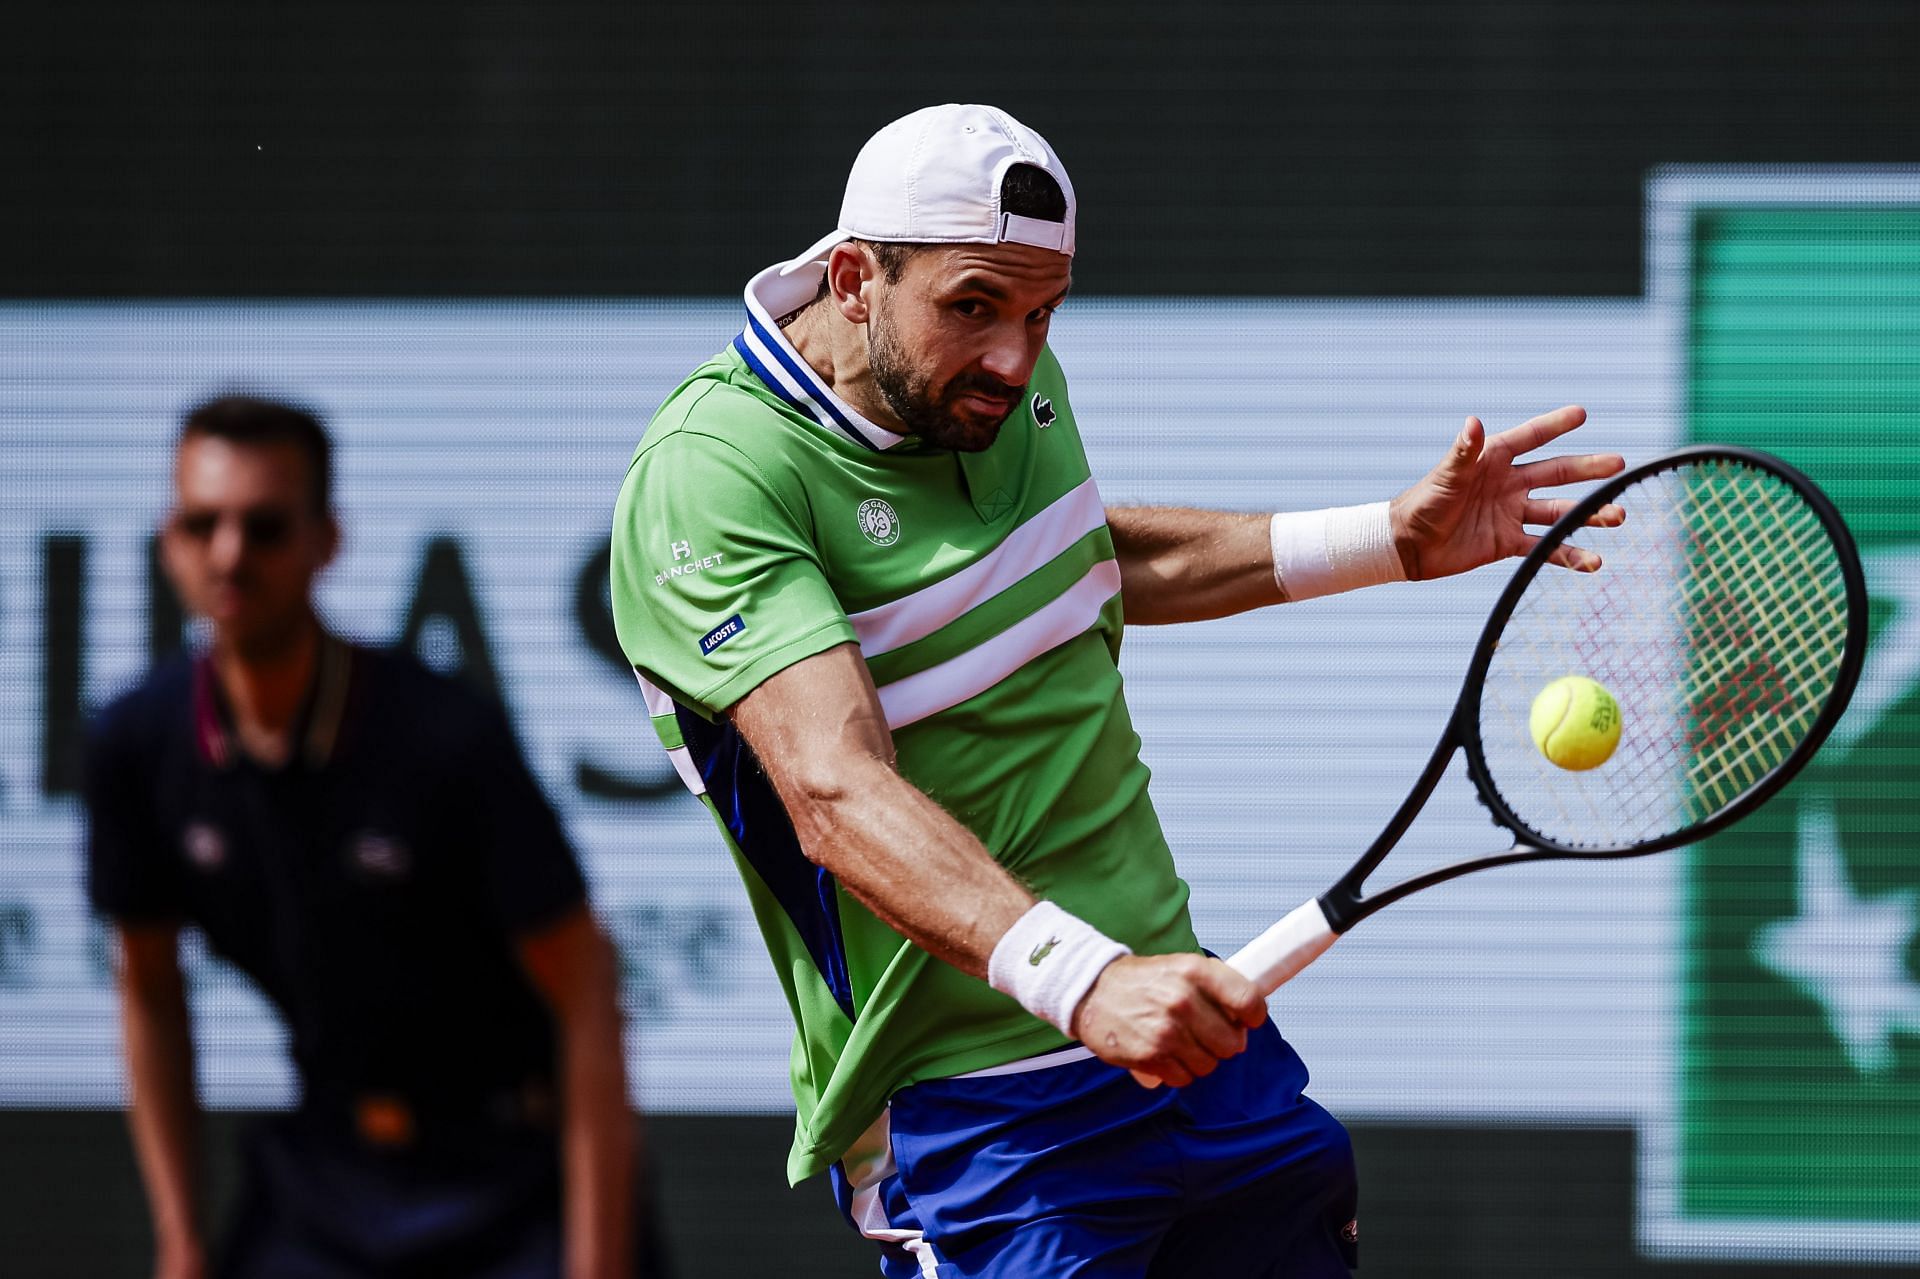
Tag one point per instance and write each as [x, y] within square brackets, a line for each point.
[1343, 904]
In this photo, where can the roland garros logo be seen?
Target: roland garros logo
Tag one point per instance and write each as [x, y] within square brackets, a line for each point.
[879, 523]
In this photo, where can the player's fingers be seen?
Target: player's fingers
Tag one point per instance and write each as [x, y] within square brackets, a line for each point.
[1216, 1029]
[1567, 555]
[1472, 440]
[1612, 515]
[1466, 448]
[1571, 469]
[1194, 1056]
[1177, 1058]
[1545, 511]
[1239, 998]
[1195, 1017]
[1169, 1072]
[1550, 510]
[1534, 432]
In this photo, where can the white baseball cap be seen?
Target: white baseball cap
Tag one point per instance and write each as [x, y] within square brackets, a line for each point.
[933, 177]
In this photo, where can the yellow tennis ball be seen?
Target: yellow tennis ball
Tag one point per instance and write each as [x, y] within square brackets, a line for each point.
[1575, 723]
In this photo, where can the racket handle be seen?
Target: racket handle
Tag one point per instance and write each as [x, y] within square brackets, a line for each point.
[1273, 958]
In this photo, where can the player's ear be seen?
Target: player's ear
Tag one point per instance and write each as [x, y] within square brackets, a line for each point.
[851, 274]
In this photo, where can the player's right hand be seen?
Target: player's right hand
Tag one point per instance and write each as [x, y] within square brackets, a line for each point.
[1173, 1017]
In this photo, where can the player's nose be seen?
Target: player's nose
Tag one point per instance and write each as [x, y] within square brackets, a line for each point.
[1011, 355]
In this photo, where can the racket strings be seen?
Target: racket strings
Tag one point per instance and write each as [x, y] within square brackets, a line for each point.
[1770, 685]
[1626, 655]
[1719, 623]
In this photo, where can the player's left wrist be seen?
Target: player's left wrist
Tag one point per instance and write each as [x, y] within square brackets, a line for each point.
[1343, 548]
[1401, 535]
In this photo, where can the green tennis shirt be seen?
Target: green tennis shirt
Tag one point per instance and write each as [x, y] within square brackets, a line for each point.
[763, 521]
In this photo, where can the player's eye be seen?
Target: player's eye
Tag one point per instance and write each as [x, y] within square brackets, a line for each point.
[972, 308]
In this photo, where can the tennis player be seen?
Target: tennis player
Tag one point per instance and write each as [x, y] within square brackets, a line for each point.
[361, 838]
[875, 603]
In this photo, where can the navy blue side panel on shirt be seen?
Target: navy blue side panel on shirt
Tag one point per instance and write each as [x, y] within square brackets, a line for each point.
[759, 824]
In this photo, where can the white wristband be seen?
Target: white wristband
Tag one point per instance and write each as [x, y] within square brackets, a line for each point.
[1049, 960]
[1319, 553]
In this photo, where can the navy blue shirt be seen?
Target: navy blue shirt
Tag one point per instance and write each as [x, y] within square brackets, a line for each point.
[372, 887]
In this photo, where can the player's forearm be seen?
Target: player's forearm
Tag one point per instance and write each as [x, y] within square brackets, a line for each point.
[1183, 565]
[162, 1111]
[885, 841]
[597, 1148]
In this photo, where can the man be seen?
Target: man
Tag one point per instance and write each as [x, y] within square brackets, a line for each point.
[361, 838]
[869, 587]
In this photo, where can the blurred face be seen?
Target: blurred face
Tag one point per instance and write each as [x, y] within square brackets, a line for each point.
[243, 543]
[953, 342]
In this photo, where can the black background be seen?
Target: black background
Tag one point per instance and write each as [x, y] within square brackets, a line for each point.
[1439, 1202]
[636, 149]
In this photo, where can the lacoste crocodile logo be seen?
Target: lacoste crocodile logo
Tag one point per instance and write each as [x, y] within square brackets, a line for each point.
[1041, 951]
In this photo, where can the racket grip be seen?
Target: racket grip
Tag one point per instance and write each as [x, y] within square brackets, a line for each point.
[1272, 959]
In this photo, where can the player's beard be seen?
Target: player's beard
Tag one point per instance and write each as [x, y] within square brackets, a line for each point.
[927, 415]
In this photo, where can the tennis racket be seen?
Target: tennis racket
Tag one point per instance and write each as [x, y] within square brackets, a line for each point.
[1729, 620]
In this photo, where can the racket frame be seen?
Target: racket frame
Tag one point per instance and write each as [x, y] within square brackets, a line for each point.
[1343, 904]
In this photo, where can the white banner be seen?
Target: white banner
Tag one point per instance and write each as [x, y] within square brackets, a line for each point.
[480, 448]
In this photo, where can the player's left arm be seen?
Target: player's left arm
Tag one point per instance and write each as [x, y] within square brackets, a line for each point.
[1178, 564]
[1474, 507]
[571, 963]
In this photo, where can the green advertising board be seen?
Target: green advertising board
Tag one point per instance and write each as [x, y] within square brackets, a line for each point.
[1793, 1128]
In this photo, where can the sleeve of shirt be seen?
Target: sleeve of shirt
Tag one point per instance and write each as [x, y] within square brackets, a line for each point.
[532, 874]
[716, 581]
[131, 874]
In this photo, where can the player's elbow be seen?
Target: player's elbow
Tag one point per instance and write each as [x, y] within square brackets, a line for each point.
[823, 797]
[816, 796]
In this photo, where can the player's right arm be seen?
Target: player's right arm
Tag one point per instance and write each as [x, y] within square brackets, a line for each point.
[161, 1109]
[719, 595]
[819, 732]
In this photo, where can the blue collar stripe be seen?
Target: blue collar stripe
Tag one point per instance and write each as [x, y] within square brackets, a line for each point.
[766, 376]
[803, 376]
[773, 383]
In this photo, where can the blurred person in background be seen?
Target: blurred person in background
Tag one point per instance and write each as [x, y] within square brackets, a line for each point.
[362, 838]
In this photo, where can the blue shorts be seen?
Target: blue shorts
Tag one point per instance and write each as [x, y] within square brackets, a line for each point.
[1075, 1170]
